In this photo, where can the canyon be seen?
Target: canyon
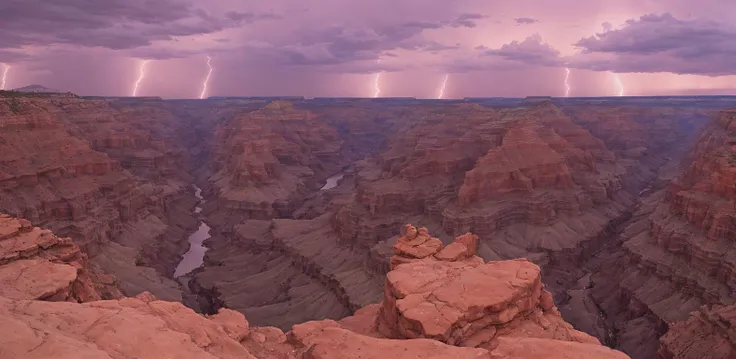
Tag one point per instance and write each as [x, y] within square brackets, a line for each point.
[614, 214]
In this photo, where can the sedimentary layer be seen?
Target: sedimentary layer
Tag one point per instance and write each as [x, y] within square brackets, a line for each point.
[531, 182]
[516, 320]
[678, 255]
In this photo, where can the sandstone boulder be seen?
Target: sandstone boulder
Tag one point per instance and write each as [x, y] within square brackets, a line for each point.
[460, 300]
[129, 328]
[534, 348]
[35, 264]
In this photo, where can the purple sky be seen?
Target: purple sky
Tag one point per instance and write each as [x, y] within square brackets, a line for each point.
[332, 47]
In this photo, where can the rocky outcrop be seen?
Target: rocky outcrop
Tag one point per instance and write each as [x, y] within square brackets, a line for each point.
[37, 265]
[144, 327]
[708, 333]
[452, 296]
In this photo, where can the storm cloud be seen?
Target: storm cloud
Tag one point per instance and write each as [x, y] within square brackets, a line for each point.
[333, 47]
[662, 43]
[112, 24]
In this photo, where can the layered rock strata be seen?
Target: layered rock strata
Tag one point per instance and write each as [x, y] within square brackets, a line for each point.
[144, 327]
[446, 293]
[264, 161]
[678, 254]
[110, 176]
[555, 195]
[37, 265]
[708, 333]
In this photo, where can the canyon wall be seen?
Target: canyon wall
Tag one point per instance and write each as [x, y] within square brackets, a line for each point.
[532, 182]
[51, 311]
[112, 176]
[677, 256]
[588, 193]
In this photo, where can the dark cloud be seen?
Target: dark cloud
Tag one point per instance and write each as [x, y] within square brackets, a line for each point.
[318, 58]
[341, 45]
[525, 20]
[532, 52]
[432, 46]
[11, 56]
[112, 24]
[661, 43]
[467, 20]
[159, 53]
[250, 17]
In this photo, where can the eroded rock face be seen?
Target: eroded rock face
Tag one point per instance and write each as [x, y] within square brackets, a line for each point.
[708, 333]
[460, 300]
[130, 328]
[111, 176]
[266, 160]
[678, 255]
[37, 265]
[566, 182]
[144, 327]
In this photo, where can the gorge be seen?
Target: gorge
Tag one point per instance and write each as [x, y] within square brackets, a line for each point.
[293, 214]
[194, 257]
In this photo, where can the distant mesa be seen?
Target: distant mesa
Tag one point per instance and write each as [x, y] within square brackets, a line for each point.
[37, 89]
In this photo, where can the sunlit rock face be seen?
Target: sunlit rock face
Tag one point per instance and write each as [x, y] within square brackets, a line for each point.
[488, 310]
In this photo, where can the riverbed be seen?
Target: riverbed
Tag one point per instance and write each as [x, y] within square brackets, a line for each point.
[332, 182]
[194, 257]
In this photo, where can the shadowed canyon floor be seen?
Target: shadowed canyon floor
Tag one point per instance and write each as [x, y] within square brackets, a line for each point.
[290, 212]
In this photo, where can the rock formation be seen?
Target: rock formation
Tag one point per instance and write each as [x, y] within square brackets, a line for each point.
[556, 192]
[708, 333]
[500, 311]
[583, 189]
[678, 252]
[104, 175]
[37, 265]
[265, 160]
[450, 295]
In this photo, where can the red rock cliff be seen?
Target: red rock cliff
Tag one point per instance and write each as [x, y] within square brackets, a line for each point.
[679, 255]
[448, 304]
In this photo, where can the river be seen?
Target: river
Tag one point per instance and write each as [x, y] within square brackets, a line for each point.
[332, 182]
[194, 257]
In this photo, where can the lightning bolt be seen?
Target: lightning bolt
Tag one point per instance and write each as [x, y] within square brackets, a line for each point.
[5, 76]
[567, 84]
[442, 89]
[206, 80]
[376, 82]
[141, 74]
[620, 85]
[616, 77]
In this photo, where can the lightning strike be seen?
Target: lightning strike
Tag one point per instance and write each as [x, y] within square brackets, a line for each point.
[206, 80]
[5, 76]
[376, 82]
[442, 89]
[140, 77]
[606, 28]
[619, 84]
[567, 84]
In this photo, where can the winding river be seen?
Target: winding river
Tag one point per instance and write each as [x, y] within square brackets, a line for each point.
[332, 182]
[194, 257]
